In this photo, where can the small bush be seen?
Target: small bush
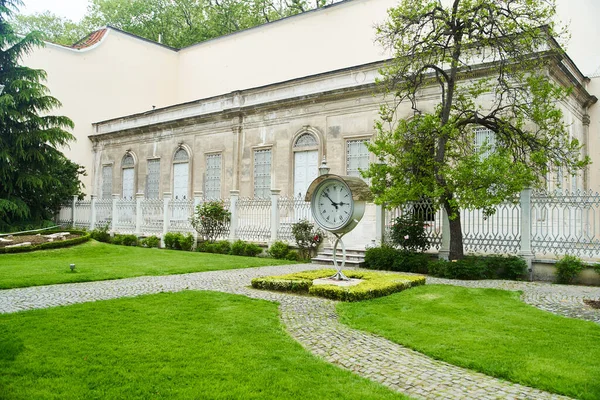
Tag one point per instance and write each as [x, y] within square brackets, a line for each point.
[408, 233]
[220, 247]
[381, 257]
[241, 248]
[130, 240]
[101, 234]
[211, 220]
[407, 261]
[150, 241]
[172, 240]
[567, 269]
[117, 239]
[279, 250]
[186, 243]
[307, 237]
[292, 255]
[438, 268]
[511, 267]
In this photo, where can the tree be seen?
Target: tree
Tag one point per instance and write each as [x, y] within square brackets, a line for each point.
[485, 65]
[177, 23]
[53, 28]
[35, 177]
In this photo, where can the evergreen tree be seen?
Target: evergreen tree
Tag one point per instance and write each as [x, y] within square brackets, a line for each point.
[35, 177]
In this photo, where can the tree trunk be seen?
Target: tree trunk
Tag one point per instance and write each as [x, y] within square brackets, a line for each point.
[456, 239]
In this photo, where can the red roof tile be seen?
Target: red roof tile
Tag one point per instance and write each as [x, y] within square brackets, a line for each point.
[91, 39]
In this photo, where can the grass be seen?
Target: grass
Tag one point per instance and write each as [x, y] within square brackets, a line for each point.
[490, 331]
[99, 261]
[185, 345]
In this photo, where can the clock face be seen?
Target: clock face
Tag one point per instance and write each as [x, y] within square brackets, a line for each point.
[332, 204]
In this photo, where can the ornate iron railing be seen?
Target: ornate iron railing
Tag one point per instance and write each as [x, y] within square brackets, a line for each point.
[291, 211]
[65, 215]
[254, 219]
[498, 233]
[180, 212]
[83, 214]
[103, 212]
[152, 216]
[566, 223]
[126, 213]
[423, 210]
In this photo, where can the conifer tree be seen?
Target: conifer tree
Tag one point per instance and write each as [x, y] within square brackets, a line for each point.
[35, 177]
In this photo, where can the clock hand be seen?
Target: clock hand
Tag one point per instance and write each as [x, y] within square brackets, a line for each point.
[333, 203]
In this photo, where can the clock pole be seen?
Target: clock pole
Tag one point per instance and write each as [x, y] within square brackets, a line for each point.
[339, 275]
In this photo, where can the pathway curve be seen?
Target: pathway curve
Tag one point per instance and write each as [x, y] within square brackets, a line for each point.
[314, 323]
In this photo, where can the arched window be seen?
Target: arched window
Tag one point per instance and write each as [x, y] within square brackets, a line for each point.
[128, 174]
[181, 171]
[305, 140]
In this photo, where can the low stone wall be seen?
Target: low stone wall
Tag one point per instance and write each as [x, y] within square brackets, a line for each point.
[545, 270]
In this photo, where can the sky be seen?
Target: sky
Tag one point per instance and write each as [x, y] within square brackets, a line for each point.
[582, 14]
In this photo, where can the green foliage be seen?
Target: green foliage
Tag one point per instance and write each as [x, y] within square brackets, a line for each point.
[101, 234]
[374, 284]
[567, 268]
[150, 241]
[381, 258]
[307, 237]
[219, 247]
[52, 27]
[408, 233]
[427, 151]
[211, 220]
[241, 248]
[35, 177]
[125, 240]
[292, 255]
[179, 241]
[474, 267]
[279, 250]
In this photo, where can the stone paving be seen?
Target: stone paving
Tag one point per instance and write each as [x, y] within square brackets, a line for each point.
[314, 323]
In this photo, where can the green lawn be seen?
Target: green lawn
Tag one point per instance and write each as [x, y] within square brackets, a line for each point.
[185, 345]
[98, 261]
[491, 331]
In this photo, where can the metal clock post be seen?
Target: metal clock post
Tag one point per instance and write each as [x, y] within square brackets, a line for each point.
[337, 204]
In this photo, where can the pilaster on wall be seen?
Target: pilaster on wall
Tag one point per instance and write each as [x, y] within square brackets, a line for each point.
[236, 128]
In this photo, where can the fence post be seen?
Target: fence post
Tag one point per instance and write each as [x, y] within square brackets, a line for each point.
[198, 199]
[525, 251]
[115, 215]
[274, 214]
[93, 212]
[379, 223]
[73, 205]
[138, 213]
[445, 249]
[234, 196]
[166, 217]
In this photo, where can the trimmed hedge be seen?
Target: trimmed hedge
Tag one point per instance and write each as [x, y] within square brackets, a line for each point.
[50, 245]
[375, 284]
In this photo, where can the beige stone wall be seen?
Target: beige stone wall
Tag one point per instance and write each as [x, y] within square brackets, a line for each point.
[120, 75]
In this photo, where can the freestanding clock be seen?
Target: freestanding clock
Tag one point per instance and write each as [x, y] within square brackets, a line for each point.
[337, 204]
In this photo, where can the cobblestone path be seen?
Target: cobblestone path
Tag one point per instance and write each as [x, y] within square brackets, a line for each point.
[314, 323]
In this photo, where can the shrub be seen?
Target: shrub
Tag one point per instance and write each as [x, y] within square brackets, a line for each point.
[307, 237]
[130, 240]
[211, 220]
[179, 241]
[438, 268]
[279, 250]
[241, 248]
[292, 255]
[101, 234]
[220, 247]
[567, 269]
[117, 239]
[48, 245]
[408, 233]
[407, 261]
[150, 241]
[511, 267]
[380, 257]
[375, 284]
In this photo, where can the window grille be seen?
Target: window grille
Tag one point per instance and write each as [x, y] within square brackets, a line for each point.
[305, 140]
[485, 137]
[357, 156]
[213, 177]
[181, 156]
[153, 179]
[128, 161]
[262, 173]
[107, 173]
